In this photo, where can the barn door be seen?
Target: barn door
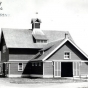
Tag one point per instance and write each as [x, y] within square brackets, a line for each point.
[57, 69]
[76, 69]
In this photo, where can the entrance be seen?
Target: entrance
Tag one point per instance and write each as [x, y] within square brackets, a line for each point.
[66, 69]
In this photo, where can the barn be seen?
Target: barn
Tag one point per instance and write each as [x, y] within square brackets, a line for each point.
[63, 59]
[41, 53]
[19, 46]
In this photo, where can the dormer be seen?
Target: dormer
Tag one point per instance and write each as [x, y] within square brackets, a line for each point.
[35, 23]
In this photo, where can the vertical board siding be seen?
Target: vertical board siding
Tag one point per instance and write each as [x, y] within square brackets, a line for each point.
[48, 68]
[84, 68]
[57, 69]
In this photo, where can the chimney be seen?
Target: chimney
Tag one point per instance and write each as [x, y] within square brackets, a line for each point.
[66, 35]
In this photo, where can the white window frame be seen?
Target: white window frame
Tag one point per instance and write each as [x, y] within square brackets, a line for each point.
[4, 48]
[19, 67]
[67, 55]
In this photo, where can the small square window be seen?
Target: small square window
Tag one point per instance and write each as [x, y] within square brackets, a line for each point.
[20, 67]
[4, 49]
[39, 64]
[67, 55]
[32, 64]
[41, 41]
[35, 64]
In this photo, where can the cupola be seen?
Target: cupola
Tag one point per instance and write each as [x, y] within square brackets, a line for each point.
[37, 33]
[35, 23]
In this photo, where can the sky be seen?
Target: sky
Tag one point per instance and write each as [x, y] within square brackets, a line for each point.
[61, 15]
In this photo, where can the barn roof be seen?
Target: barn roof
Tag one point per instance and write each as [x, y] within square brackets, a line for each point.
[22, 38]
[48, 52]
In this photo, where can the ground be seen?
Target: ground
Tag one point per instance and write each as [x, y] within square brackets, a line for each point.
[43, 83]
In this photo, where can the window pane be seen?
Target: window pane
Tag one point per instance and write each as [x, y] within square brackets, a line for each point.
[20, 63]
[20, 67]
[67, 55]
[39, 64]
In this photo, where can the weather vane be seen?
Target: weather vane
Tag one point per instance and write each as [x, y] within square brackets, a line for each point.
[36, 14]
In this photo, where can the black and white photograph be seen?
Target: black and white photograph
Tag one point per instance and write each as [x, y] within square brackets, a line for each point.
[43, 44]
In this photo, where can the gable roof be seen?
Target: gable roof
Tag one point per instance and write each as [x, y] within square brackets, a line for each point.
[34, 20]
[47, 49]
[17, 38]
[54, 48]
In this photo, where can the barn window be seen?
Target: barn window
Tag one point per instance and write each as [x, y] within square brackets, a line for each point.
[67, 55]
[32, 64]
[35, 64]
[41, 41]
[20, 67]
[39, 63]
[4, 49]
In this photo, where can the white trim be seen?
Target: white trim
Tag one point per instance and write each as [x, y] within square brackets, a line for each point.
[69, 55]
[73, 69]
[77, 64]
[58, 70]
[15, 75]
[19, 60]
[43, 68]
[18, 67]
[61, 45]
[9, 69]
[76, 69]
[14, 62]
[47, 61]
[47, 76]
[70, 60]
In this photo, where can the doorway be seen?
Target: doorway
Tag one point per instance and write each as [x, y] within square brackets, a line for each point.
[66, 69]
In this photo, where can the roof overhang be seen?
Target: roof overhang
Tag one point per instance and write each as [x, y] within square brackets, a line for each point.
[62, 43]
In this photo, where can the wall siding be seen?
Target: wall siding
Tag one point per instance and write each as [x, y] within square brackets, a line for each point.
[14, 68]
[84, 68]
[36, 69]
[21, 53]
[20, 57]
[48, 68]
[5, 55]
[59, 54]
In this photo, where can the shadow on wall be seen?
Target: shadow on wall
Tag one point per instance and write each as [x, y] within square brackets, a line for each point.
[33, 68]
[27, 69]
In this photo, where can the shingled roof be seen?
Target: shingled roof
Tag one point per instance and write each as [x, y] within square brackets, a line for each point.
[50, 50]
[22, 38]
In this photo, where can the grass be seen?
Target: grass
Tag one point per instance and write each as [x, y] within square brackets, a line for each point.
[40, 81]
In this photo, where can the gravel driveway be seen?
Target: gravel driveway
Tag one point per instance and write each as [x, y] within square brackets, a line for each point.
[31, 83]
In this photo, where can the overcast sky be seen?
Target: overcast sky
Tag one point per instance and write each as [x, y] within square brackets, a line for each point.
[61, 15]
